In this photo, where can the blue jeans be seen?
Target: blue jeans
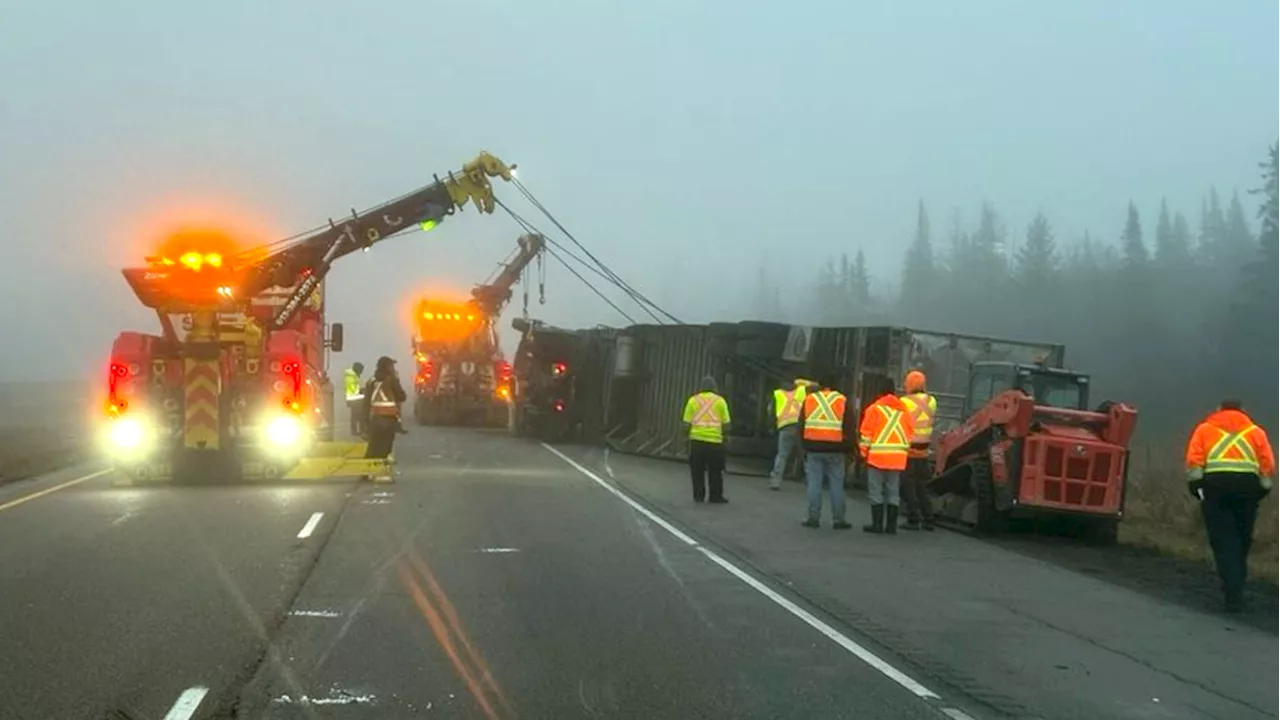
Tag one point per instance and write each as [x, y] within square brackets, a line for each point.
[882, 486]
[787, 438]
[829, 467]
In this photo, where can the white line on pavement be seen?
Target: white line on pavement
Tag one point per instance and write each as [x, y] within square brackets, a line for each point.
[187, 703]
[18, 501]
[310, 527]
[834, 635]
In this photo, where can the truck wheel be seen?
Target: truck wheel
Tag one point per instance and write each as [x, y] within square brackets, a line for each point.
[990, 520]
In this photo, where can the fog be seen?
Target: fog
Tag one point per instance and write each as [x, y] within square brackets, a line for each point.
[686, 147]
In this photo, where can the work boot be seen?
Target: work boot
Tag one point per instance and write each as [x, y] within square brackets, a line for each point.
[811, 523]
[891, 520]
[877, 520]
[840, 525]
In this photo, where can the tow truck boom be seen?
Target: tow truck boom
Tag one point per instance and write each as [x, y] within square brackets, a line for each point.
[491, 298]
[306, 261]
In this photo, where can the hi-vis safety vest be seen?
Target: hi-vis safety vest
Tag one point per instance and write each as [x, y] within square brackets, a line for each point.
[706, 413]
[352, 382]
[922, 407]
[381, 403]
[883, 437]
[1232, 453]
[824, 416]
[786, 406]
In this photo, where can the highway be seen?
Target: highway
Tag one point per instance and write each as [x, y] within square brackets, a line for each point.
[499, 578]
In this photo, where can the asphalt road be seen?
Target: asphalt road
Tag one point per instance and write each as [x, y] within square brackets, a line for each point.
[493, 580]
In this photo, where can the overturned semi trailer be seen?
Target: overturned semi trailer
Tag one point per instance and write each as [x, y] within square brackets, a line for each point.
[629, 385]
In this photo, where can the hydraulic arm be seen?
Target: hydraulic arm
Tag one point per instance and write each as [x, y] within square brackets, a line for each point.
[228, 284]
[492, 297]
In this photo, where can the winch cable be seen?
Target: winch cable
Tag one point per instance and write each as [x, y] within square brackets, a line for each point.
[622, 284]
[555, 245]
[602, 270]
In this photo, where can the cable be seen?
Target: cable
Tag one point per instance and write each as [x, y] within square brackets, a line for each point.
[593, 288]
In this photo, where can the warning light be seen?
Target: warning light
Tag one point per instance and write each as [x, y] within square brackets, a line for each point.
[213, 260]
[559, 369]
[196, 261]
[471, 318]
[559, 406]
[427, 225]
[429, 316]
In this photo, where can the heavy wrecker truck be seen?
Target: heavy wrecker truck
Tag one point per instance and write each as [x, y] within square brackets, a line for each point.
[1030, 448]
[236, 385]
[462, 376]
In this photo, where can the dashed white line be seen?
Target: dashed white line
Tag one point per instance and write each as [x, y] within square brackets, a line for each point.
[186, 704]
[808, 618]
[497, 550]
[955, 714]
[310, 527]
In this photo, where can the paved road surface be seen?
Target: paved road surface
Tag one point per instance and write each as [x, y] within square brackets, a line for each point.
[494, 580]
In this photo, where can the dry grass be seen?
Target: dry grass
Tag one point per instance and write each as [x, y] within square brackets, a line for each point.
[42, 427]
[1161, 515]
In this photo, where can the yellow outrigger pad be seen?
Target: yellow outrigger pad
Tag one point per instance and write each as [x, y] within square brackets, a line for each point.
[341, 459]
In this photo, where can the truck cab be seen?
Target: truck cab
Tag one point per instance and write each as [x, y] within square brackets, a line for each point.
[1049, 387]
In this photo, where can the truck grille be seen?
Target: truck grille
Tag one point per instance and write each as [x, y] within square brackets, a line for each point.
[1077, 478]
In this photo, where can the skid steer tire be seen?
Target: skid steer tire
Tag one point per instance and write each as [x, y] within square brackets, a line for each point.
[991, 521]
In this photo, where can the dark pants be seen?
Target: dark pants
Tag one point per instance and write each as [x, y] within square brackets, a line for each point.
[1229, 513]
[382, 436]
[914, 495]
[706, 460]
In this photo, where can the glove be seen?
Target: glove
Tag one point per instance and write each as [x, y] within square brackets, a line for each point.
[1196, 488]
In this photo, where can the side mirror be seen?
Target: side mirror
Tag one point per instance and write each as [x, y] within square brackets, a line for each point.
[335, 337]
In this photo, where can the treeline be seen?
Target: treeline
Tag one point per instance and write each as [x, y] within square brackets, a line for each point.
[1171, 317]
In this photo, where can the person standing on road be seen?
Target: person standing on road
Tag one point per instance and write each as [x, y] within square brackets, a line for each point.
[384, 395]
[884, 437]
[707, 416]
[821, 428]
[1230, 468]
[921, 408]
[786, 414]
[355, 398]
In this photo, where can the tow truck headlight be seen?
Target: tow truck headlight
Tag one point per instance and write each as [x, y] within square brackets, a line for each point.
[284, 432]
[128, 437]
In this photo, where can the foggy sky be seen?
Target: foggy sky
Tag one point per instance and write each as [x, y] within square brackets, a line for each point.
[682, 145]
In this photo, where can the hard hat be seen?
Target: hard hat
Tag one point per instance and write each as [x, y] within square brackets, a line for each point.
[802, 381]
[915, 381]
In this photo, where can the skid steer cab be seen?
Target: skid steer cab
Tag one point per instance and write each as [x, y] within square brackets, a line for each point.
[1030, 448]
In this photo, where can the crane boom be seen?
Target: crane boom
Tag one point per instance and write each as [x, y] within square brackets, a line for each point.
[304, 263]
[493, 296]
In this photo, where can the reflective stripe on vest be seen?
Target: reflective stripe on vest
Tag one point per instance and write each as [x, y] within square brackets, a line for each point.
[824, 417]
[786, 407]
[1232, 453]
[922, 407]
[892, 437]
[380, 403]
[705, 424]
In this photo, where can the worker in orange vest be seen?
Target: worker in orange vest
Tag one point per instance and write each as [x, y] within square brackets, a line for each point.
[821, 428]
[884, 436]
[1230, 468]
[922, 408]
[786, 416]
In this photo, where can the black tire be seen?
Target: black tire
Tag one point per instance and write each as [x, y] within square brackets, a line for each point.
[991, 521]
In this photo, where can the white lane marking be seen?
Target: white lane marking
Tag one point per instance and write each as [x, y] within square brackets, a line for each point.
[955, 714]
[315, 613]
[186, 704]
[310, 527]
[809, 619]
[607, 467]
[659, 521]
[86, 478]
[494, 550]
[337, 696]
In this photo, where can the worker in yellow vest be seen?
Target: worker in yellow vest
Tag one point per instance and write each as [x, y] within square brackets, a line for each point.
[355, 398]
[922, 408]
[706, 415]
[1230, 468]
[786, 415]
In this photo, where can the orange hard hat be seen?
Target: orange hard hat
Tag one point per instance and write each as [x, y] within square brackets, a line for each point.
[914, 381]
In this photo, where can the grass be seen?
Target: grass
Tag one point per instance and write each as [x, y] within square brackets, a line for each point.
[1160, 515]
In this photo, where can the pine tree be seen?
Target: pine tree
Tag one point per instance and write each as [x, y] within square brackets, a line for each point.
[1036, 262]
[1212, 231]
[919, 272]
[1135, 251]
[1164, 235]
[1238, 243]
